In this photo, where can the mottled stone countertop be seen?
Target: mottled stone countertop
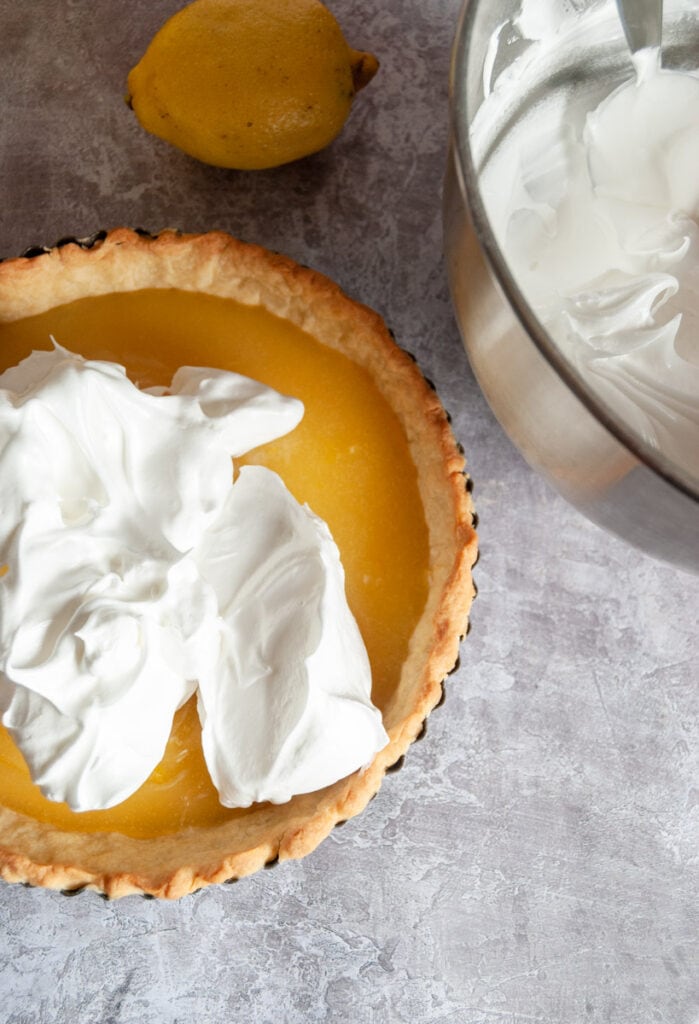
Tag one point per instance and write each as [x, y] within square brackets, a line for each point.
[536, 859]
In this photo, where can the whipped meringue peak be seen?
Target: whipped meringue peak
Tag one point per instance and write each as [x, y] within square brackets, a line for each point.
[593, 195]
[137, 573]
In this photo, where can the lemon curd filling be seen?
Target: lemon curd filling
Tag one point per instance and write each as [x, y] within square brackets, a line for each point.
[348, 460]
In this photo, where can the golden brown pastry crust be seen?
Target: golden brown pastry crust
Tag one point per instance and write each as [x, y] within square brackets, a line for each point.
[217, 264]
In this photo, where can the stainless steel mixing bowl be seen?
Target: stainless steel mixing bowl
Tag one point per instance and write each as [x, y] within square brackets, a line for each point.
[562, 428]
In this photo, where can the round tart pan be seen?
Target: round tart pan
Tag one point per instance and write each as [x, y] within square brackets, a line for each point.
[171, 866]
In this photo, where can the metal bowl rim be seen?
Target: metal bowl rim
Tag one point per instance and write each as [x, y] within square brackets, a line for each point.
[647, 455]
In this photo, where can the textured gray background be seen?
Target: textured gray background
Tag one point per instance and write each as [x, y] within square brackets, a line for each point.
[536, 858]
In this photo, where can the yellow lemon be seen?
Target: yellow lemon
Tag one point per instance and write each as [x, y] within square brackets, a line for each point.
[248, 83]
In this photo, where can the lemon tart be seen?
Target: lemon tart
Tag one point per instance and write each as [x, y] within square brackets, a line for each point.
[374, 457]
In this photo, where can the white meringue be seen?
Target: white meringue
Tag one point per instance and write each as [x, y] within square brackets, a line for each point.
[128, 585]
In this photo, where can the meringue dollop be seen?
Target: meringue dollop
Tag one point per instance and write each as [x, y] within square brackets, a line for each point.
[136, 572]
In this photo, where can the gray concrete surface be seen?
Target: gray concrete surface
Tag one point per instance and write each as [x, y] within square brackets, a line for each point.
[536, 858]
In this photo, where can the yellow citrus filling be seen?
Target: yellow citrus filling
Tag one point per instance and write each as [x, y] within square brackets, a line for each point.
[348, 459]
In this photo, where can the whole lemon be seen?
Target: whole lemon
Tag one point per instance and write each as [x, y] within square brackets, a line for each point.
[248, 83]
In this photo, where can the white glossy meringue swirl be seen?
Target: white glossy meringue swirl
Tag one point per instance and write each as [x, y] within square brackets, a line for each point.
[137, 572]
[594, 200]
